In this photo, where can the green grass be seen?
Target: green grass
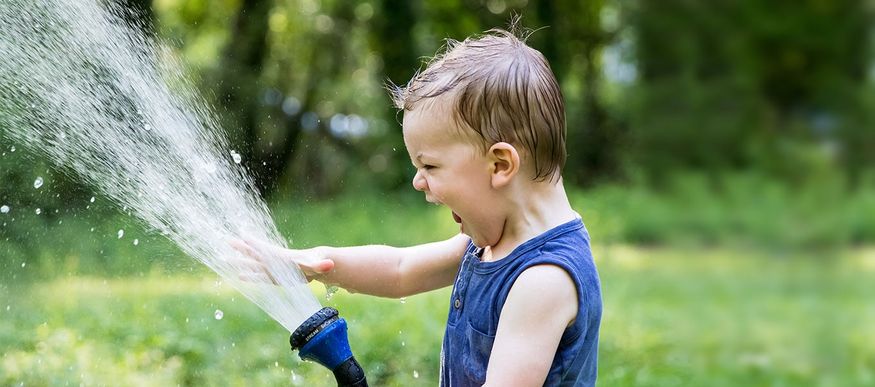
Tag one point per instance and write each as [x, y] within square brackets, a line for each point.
[729, 318]
[160, 330]
[752, 284]
[713, 317]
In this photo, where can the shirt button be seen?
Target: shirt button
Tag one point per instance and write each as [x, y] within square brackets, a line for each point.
[458, 303]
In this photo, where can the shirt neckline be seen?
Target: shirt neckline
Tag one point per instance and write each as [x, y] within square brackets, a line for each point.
[487, 267]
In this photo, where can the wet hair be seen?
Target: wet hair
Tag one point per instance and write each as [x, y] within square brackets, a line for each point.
[502, 90]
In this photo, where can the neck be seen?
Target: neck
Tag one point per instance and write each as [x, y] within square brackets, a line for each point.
[538, 207]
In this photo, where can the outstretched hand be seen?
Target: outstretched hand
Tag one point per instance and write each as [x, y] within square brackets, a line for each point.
[312, 262]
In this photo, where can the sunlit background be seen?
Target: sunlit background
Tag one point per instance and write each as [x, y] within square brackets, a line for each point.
[721, 153]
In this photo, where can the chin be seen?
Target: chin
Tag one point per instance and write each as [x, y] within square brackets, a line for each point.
[480, 242]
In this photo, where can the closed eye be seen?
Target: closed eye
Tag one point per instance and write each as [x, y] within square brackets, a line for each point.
[428, 167]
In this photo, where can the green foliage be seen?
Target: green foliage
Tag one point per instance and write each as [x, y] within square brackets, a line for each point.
[688, 317]
[727, 318]
[714, 87]
[745, 210]
[732, 85]
[159, 330]
[94, 308]
[742, 210]
[363, 218]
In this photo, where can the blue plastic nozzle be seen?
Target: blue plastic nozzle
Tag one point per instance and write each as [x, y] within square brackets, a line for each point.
[322, 338]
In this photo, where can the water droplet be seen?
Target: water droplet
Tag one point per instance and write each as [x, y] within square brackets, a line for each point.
[276, 364]
[403, 343]
[92, 229]
[147, 127]
[236, 156]
[136, 242]
[186, 319]
[92, 199]
[12, 149]
[38, 211]
[7, 307]
[4, 209]
[23, 264]
[209, 168]
[219, 314]
[121, 233]
[403, 300]
[38, 182]
[329, 291]
[415, 374]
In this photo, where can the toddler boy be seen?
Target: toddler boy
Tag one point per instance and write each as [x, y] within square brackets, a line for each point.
[484, 125]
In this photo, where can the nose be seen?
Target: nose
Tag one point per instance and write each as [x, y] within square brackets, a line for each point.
[419, 182]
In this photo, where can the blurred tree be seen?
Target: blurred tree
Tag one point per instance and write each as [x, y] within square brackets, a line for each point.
[573, 45]
[238, 80]
[731, 84]
[392, 39]
[139, 13]
[717, 86]
[327, 152]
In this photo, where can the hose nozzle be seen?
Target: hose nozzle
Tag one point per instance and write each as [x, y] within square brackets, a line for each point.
[322, 338]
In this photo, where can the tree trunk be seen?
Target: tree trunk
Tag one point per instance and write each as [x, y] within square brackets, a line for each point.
[139, 13]
[239, 85]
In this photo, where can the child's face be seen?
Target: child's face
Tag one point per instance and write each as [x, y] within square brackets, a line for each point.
[453, 171]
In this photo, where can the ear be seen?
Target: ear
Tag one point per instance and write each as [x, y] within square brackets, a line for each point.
[504, 163]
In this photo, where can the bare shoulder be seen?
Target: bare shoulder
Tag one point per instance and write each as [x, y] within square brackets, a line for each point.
[548, 288]
[542, 302]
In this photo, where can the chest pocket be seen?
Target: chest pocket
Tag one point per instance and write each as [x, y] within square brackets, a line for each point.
[475, 354]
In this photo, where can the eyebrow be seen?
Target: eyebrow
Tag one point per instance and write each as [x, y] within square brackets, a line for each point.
[420, 156]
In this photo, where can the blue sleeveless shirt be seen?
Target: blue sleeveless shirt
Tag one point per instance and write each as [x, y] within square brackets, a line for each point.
[482, 287]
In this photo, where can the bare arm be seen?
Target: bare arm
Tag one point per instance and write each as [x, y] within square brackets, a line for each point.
[375, 269]
[540, 305]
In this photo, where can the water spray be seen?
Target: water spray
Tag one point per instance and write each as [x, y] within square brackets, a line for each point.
[322, 338]
[111, 106]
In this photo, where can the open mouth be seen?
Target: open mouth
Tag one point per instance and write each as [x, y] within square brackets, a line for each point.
[457, 218]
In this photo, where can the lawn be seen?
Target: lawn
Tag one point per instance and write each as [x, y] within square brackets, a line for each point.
[727, 295]
[702, 316]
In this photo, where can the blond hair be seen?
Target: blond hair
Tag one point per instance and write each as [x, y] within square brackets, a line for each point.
[503, 90]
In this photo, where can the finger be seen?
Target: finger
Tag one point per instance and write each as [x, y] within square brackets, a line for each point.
[266, 248]
[323, 266]
[244, 247]
[249, 264]
[262, 250]
[259, 245]
[255, 277]
[317, 267]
